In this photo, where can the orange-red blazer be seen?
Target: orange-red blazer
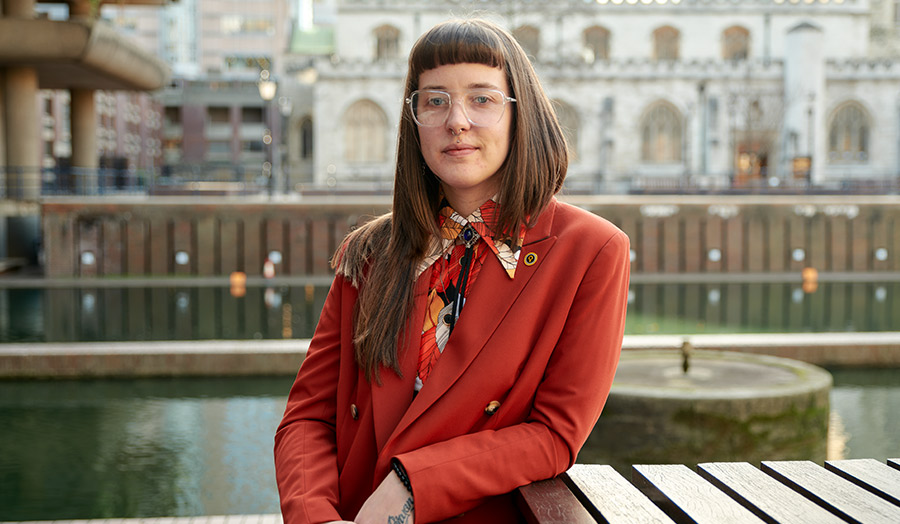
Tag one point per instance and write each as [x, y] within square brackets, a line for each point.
[543, 345]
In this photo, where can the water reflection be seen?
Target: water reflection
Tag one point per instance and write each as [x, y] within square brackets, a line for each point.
[91, 449]
[158, 313]
[762, 307]
[201, 446]
[865, 405]
[203, 313]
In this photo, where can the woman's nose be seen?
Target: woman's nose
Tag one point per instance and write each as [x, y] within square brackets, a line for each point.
[457, 121]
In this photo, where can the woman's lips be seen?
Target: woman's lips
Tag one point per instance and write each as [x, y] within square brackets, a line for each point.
[459, 149]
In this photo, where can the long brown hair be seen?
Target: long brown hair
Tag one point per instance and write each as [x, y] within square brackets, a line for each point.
[383, 254]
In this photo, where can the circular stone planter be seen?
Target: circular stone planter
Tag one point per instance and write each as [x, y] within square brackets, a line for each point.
[728, 406]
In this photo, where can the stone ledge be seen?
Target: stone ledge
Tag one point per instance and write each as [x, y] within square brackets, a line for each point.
[877, 349]
[152, 359]
[283, 357]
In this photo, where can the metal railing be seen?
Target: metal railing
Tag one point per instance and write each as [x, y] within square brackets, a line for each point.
[886, 185]
[32, 184]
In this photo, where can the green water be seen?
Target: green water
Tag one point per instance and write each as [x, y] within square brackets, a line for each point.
[109, 448]
[182, 447]
[203, 313]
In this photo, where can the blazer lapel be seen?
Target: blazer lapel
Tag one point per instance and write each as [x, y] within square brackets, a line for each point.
[492, 297]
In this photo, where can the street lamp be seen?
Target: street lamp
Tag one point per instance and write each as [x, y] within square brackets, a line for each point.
[267, 88]
[285, 106]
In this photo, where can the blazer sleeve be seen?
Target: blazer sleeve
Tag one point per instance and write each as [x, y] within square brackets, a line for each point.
[456, 475]
[305, 447]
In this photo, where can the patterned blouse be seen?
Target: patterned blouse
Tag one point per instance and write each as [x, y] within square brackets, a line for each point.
[458, 256]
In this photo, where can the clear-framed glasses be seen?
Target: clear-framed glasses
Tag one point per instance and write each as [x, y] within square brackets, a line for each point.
[482, 107]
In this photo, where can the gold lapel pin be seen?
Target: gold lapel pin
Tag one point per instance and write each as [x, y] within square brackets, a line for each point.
[531, 259]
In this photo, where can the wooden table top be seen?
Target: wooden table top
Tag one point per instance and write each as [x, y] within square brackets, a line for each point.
[857, 490]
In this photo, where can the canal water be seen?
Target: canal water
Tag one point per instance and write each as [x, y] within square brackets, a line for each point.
[203, 446]
[203, 313]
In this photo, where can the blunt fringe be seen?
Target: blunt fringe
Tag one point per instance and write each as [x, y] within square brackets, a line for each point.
[380, 257]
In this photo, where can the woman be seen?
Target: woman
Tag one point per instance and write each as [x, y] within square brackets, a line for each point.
[470, 337]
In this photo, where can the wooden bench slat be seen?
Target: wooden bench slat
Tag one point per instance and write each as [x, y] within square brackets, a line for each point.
[551, 502]
[871, 475]
[686, 496]
[834, 493]
[894, 463]
[767, 498]
[609, 496]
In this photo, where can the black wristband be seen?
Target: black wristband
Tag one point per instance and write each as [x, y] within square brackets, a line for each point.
[401, 473]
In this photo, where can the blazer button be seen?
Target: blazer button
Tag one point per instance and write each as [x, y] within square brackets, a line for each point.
[491, 408]
[354, 411]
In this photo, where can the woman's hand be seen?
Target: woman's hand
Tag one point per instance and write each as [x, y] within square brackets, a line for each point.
[390, 503]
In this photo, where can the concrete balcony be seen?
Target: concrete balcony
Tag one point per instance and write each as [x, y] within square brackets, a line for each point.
[80, 54]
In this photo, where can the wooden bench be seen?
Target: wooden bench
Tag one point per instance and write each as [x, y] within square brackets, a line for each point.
[859, 490]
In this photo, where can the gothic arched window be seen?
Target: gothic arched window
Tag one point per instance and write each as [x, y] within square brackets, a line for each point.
[596, 44]
[735, 43]
[665, 43]
[661, 134]
[529, 37]
[365, 133]
[387, 42]
[306, 138]
[848, 135]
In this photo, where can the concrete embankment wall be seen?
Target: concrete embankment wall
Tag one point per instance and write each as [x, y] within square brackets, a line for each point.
[283, 357]
[85, 237]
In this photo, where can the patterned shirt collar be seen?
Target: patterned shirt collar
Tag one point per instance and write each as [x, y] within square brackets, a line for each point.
[483, 221]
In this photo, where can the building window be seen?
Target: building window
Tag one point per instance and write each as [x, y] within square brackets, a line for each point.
[252, 146]
[235, 24]
[735, 43]
[219, 147]
[306, 139]
[596, 44]
[848, 135]
[365, 127]
[665, 43]
[246, 64]
[568, 121]
[387, 42]
[661, 135]
[529, 37]
[172, 116]
[252, 115]
[218, 114]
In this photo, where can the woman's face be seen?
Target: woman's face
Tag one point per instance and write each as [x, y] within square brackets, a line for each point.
[466, 157]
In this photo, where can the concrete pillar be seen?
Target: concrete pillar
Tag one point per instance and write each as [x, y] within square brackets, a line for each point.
[22, 159]
[84, 140]
[80, 9]
[2, 153]
[18, 8]
[2, 128]
[18, 108]
[23, 145]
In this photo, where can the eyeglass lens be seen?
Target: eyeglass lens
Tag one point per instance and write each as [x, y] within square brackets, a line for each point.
[482, 108]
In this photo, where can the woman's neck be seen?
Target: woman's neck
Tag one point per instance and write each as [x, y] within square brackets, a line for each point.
[466, 204]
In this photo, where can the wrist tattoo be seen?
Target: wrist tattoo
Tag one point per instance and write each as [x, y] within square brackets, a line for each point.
[405, 513]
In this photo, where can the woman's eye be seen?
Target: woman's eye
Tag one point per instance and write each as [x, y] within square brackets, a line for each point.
[481, 99]
[436, 101]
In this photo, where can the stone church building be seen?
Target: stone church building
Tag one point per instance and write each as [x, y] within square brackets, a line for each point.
[653, 94]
